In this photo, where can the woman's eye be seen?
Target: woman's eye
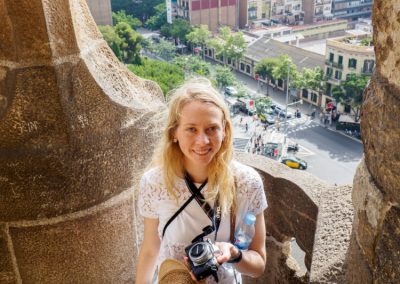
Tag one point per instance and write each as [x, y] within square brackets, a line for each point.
[191, 129]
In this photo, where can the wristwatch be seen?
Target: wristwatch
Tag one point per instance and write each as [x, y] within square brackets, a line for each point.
[237, 258]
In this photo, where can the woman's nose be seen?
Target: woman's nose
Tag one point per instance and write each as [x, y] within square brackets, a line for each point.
[202, 138]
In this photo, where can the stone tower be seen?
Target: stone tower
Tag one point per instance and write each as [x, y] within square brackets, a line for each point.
[374, 253]
[75, 127]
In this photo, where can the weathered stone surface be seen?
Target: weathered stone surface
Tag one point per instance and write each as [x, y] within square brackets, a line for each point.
[7, 274]
[72, 122]
[358, 270]
[386, 22]
[380, 111]
[332, 238]
[387, 268]
[99, 247]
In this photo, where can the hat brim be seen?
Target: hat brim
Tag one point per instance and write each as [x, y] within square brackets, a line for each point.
[174, 272]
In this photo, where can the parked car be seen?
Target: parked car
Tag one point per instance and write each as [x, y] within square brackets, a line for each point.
[281, 112]
[293, 147]
[294, 163]
[231, 91]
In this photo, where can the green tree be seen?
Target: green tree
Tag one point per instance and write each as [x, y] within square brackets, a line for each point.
[193, 65]
[351, 91]
[130, 46]
[285, 65]
[228, 44]
[165, 49]
[199, 36]
[167, 76]
[112, 39]
[121, 16]
[264, 68]
[224, 76]
[262, 104]
[142, 11]
[312, 79]
[159, 19]
[177, 30]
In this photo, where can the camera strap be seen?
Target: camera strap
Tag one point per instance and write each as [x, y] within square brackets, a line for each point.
[214, 214]
[182, 207]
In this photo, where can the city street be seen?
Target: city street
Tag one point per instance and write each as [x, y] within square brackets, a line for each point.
[331, 155]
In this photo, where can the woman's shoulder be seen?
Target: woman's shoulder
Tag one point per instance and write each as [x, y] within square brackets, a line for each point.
[153, 175]
[241, 170]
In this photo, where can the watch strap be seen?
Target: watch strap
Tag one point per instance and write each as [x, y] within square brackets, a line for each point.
[236, 259]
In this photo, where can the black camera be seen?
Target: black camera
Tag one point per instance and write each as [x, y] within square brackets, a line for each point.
[201, 254]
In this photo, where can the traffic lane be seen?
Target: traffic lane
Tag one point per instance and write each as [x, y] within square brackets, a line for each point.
[335, 158]
[331, 144]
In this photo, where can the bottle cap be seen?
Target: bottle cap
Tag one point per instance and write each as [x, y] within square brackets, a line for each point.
[250, 219]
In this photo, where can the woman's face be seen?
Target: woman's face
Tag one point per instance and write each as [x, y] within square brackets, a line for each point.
[200, 133]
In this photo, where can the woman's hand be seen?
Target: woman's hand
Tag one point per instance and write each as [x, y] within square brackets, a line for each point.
[228, 251]
[186, 262]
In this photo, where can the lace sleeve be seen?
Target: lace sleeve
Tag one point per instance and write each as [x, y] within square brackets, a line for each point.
[147, 201]
[258, 202]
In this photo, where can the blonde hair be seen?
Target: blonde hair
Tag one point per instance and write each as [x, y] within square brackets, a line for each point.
[170, 158]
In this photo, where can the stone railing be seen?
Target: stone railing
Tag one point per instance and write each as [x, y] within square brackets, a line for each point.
[318, 215]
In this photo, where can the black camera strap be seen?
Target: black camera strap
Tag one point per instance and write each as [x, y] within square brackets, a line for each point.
[214, 214]
[182, 207]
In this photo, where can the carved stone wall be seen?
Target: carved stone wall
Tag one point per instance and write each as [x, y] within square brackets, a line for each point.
[76, 130]
[374, 254]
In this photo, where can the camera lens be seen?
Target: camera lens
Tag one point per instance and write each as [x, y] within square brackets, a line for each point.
[200, 253]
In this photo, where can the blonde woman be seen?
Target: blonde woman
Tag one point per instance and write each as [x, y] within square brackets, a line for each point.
[197, 147]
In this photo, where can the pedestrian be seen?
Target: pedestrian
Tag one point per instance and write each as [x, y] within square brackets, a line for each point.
[246, 127]
[321, 116]
[197, 148]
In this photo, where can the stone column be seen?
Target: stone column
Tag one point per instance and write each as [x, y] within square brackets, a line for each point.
[76, 131]
[374, 253]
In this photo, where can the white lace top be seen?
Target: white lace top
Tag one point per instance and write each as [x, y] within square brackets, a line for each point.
[154, 202]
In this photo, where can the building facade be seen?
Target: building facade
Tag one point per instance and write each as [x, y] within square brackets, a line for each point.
[317, 10]
[101, 11]
[287, 11]
[352, 9]
[213, 13]
[346, 55]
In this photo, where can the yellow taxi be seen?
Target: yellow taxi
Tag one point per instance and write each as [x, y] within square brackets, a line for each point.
[294, 163]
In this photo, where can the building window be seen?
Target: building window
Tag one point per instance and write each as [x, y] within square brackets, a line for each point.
[331, 57]
[368, 67]
[248, 69]
[338, 75]
[314, 98]
[329, 72]
[340, 60]
[352, 63]
[242, 66]
[304, 94]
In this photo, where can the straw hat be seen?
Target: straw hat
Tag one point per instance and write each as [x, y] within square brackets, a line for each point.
[174, 272]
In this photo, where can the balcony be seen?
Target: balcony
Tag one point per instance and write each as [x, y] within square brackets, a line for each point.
[333, 64]
[366, 71]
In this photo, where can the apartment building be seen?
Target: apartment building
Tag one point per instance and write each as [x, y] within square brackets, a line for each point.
[287, 11]
[351, 9]
[213, 13]
[101, 11]
[317, 10]
[345, 55]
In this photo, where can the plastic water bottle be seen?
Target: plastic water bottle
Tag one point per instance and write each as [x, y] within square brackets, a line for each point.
[245, 233]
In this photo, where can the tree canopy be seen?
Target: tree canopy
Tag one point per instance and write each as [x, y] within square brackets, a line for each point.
[121, 16]
[285, 64]
[130, 44]
[224, 76]
[145, 10]
[177, 30]
[228, 44]
[312, 79]
[159, 18]
[193, 65]
[165, 49]
[167, 76]
[351, 91]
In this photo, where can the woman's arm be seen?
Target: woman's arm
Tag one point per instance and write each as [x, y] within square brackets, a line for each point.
[254, 259]
[148, 252]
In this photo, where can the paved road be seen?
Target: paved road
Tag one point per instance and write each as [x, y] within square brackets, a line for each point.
[331, 156]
